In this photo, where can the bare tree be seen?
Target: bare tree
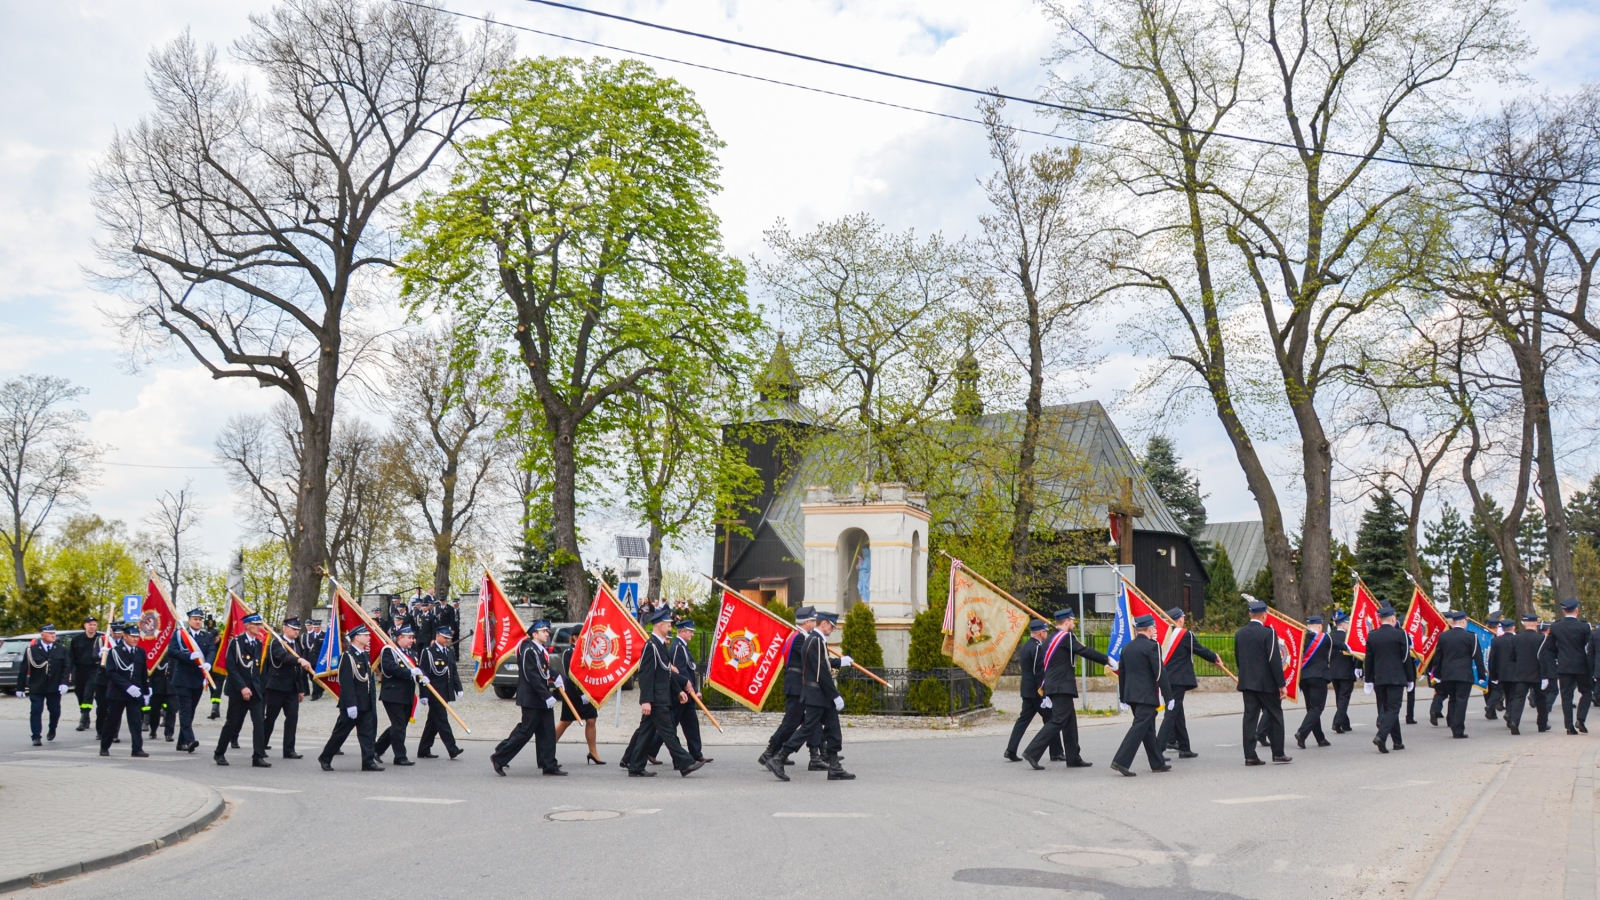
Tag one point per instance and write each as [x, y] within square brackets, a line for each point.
[261, 454]
[170, 540]
[365, 496]
[46, 461]
[248, 229]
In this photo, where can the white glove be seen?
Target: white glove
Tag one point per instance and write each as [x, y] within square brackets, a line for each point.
[1112, 664]
[1366, 688]
[1544, 684]
[197, 657]
[1358, 673]
[845, 661]
[1045, 703]
[422, 702]
[415, 671]
[1124, 707]
[21, 693]
[351, 711]
[1411, 686]
[560, 683]
[838, 703]
[424, 680]
[459, 695]
[584, 699]
[206, 666]
[133, 690]
[62, 689]
[550, 703]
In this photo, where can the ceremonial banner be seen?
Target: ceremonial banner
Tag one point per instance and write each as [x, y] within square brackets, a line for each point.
[232, 627]
[347, 614]
[608, 649]
[157, 621]
[1291, 643]
[1423, 624]
[1170, 643]
[326, 667]
[499, 631]
[1363, 620]
[985, 626]
[1484, 637]
[1131, 604]
[747, 650]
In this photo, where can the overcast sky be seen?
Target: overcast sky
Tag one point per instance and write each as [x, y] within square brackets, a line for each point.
[73, 74]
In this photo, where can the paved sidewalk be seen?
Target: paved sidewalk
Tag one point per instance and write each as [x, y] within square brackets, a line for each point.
[64, 818]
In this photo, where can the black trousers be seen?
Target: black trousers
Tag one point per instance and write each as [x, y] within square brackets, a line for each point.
[1411, 707]
[437, 725]
[1457, 692]
[1142, 731]
[238, 709]
[1062, 726]
[1174, 724]
[365, 725]
[820, 729]
[83, 686]
[1548, 698]
[794, 714]
[1264, 709]
[1517, 694]
[185, 700]
[1496, 699]
[102, 706]
[36, 706]
[395, 735]
[1030, 708]
[1584, 687]
[687, 718]
[1315, 692]
[660, 724]
[161, 711]
[119, 706]
[288, 703]
[1342, 689]
[1440, 695]
[537, 722]
[1389, 696]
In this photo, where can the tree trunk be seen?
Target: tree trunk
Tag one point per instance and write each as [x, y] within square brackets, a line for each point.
[564, 513]
[1563, 582]
[18, 570]
[1503, 531]
[653, 564]
[1027, 454]
[444, 541]
[310, 538]
[1316, 542]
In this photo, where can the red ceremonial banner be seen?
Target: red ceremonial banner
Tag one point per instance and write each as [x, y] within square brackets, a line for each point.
[1363, 620]
[232, 627]
[1292, 644]
[157, 622]
[747, 650]
[1423, 624]
[1141, 605]
[608, 648]
[498, 632]
[347, 614]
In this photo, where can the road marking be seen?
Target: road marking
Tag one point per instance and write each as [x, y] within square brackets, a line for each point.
[822, 815]
[1393, 787]
[258, 790]
[1040, 812]
[1234, 744]
[1269, 798]
[434, 800]
[641, 812]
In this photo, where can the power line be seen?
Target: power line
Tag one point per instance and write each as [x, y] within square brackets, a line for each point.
[1103, 114]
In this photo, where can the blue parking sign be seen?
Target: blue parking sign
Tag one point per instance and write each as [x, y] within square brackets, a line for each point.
[130, 607]
[628, 593]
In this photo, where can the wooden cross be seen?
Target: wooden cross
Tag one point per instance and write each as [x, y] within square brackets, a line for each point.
[1126, 512]
[727, 541]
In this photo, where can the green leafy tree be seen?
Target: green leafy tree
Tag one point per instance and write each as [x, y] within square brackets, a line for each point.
[1381, 549]
[1343, 581]
[582, 229]
[1477, 599]
[1224, 607]
[1177, 486]
[1583, 514]
[1586, 568]
[860, 639]
[1458, 583]
[530, 578]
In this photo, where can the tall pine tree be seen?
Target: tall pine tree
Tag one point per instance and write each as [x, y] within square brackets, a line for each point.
[1177, 487]
[1477, 602]
[1224, 606]
[1381, 549]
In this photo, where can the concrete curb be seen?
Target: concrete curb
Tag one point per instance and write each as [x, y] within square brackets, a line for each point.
[186, 829]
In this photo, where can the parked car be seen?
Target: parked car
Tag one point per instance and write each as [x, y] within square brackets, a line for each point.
[562, 635]
[13, 671]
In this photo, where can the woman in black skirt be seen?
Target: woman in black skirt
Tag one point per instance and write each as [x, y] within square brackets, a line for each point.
[580, 700]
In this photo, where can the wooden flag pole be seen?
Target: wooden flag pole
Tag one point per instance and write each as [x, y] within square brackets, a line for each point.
[695, 695]
[862, 669]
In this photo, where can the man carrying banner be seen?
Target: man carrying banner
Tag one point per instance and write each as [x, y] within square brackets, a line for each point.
[1260, 662]
[439, 667]
[1060, 689]
[1569, 647]
[1385, 673]
[285, 681]
[1139, 688]
[191, 653]
[1315, 673]
[1178, 679]
[1343, 670]
[245, 696]
[658, 686]
[401, 677]
[685, 713]
[358, 702]
[536, 697]
[1030, 659]
[1459, 658]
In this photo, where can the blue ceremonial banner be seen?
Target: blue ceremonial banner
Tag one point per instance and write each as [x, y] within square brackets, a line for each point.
[1121, 626]
[328, 654]
[1484, 637]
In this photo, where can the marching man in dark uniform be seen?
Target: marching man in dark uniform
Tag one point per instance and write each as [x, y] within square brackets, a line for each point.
[1549, 680]
[1505, 633]
[686, 714]
[286, 681]
[658, 686]
[1459, 658]
[127, 681]
[794, 712]
[1519, 672]
[1139, 687]
[48, 668]
[536, 696]
[1342, 671]
[1060, 689]
[358, 704]
[309, 646]
[438, 664]
[245, 697]
[1255, 650]
[1385, 674]
[85, 649]
[1315, 673]
[1569, 645]
[189, 668]
[160, 707]
[1178, 679]
[399, 694]
[1030, 659]
[822, 700]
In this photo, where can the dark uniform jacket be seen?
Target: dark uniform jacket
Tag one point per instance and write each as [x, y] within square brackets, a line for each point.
[1458, 655]
[186, 673]
[161, 677]
[1569, 644]
[681, 659]
[48, 666]
[533, 675]
[1030, 661]
[126, 666]
[1520, 663]
[1341, 663]
[1061, 654]
[355, 682]
[1318, 665]
[1499, 655]
[244, 665]
[1255, 652]
[1387, 651]
[282, 671]
[816, 672]
[657, 683]
[791, 665]
[1139, 674]
[398, 684]
[439, 664]
[1178, 671]
[309, 646]
[85, 650]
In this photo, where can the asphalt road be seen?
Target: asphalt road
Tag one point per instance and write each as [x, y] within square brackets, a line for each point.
[926, 818]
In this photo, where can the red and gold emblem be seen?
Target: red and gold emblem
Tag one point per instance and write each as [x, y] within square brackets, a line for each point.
[740, 649]
[601, 646]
